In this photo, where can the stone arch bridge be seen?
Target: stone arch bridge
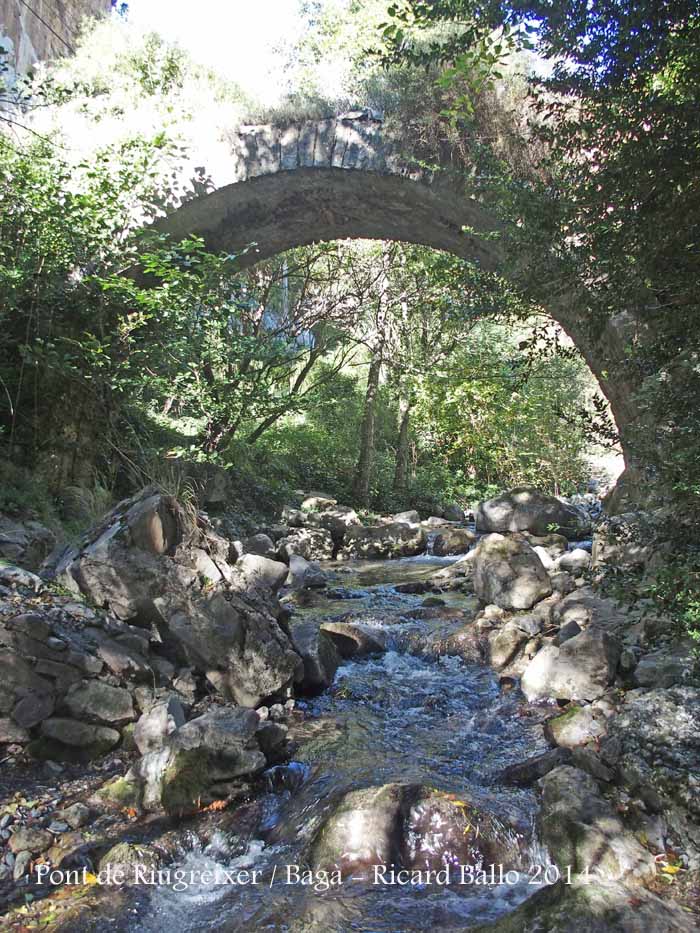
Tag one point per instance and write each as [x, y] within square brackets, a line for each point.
[350, 177]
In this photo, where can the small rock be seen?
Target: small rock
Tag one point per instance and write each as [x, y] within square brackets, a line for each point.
[76, 815]
[21, 865]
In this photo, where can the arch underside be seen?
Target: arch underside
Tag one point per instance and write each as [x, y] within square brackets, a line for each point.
[284, 209]
[287, 209]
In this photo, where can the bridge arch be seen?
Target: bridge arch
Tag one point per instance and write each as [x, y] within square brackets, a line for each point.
[349, 177]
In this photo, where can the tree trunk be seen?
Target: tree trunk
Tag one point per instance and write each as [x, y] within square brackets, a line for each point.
[403, 452]
[363, 472]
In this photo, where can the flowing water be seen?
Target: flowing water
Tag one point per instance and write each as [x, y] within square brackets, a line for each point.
[410, 715]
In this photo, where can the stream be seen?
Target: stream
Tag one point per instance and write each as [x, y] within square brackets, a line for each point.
[409, 715]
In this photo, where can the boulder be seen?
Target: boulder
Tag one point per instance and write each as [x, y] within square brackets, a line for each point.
[456, 575]
[410, 826]
[667, 666]
[453, 512]
[161, 720]
[383, 541]
[554, 545]
[409, 517]
[237, 643]
[219, 746]
[11, 733]
[525, 773]
[33, 708]
[65, 735]
[317, 502]
[526, 509]
[353, 640]
[575, 562]
[309, 543]
[94, 701]
[254, 573]
[581, 669]
[259, 544]
[582, 830]
[304, 574]
[17, 576]
[127, 863]
[30, 839]
[507, 572]
[147, 548]
[337, 519]
[505, 644]
[577, 726]
[453, 541]
[319, 654]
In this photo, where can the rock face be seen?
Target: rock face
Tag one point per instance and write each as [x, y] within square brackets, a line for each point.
[383, 541]
[453, 541]
[581, 829]
[623, 541]
[526, 509]
[508, 573]
[653, 744]
[410, 826]
[581, 669]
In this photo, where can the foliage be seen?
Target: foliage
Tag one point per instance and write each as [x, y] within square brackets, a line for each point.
[610, 202]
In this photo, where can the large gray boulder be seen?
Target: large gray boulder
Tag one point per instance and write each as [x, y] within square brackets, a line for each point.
[304, 574]
[527, 509]
[453, 512]
[146, 547]
[508, 573]
[383, 541]
[580, 669]
[156, 563]
[236, 643]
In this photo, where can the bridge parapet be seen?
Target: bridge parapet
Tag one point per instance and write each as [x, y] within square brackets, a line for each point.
[357, 142]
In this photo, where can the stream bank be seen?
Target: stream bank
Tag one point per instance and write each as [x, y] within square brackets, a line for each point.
[405, 701]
